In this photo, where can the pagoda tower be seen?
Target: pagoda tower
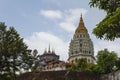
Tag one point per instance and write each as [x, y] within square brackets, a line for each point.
[81, 45]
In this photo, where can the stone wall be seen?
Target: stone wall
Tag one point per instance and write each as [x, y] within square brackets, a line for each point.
[111, 76]
[58, 75]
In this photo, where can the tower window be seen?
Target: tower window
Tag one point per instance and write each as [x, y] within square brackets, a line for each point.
[80, 50]
[76, 60]
[89, 52]
[71, 53]
[80, 35]
[89, 60]
[76, 52]
[76, 36]
[80, 45]
[80, 40]
[72, 61]
[83, 35]
[85, 51]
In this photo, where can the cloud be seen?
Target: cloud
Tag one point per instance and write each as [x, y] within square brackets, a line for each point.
[71, 16]
[69, 27]
[51, 14]
[41, 40]
[67, 18]
[110, 45]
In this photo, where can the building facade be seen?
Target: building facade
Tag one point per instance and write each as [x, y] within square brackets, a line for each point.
[81, 45]
[49, 61]
[49, 55]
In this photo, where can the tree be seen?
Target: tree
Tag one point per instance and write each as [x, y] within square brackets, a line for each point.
[14, 53]
[35, 59]
[109, 27]
[81, 65]
[106, 60]
[118, 63]
[97, 69]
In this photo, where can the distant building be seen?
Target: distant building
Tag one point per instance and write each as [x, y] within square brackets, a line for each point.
[49, 55]
[81, 45]
[49, 61]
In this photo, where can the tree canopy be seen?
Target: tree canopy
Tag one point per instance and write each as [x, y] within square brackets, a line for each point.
[109, 27]
[14, 53]
[106, 60]
[81, 66]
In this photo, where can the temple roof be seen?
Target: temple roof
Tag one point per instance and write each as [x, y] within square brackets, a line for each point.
[81, 27]
[49, 51]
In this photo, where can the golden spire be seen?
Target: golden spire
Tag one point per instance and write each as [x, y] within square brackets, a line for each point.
[81, 27]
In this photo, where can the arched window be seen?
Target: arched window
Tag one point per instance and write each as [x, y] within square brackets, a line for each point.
[80, 35]
[76, 60]
[76, 52]
[83, 35]
[80, 45]
[89, 52]
[71, 53]
[72, 61]
[80, 50]
[89, 60]
[85, 51]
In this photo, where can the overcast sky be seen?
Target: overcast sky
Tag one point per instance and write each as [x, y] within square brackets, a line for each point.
[44, 22]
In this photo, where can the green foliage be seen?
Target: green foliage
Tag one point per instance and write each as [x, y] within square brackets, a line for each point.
[81, 66]
[35, 66]
[97, 69]
[72, 68]
[105, 61]
[14, 53]
[118, 63]
[109, 27]
[109, 6]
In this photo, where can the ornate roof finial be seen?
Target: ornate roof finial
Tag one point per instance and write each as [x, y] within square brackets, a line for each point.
[81, 19]
[49, 49]
[81, 27]
[81, 15]
[53, 51]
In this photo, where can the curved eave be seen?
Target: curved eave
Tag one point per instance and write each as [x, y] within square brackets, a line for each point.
[49, 55]
[81, 55]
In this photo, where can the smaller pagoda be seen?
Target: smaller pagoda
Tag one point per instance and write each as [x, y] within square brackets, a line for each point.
[49, 61]
[49, 55]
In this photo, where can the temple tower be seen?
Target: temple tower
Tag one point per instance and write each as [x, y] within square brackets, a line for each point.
[81, 45]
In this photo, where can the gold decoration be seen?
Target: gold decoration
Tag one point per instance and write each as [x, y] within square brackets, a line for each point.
[81, 28]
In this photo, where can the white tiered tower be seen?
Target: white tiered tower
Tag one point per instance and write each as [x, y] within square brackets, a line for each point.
[81, 45]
